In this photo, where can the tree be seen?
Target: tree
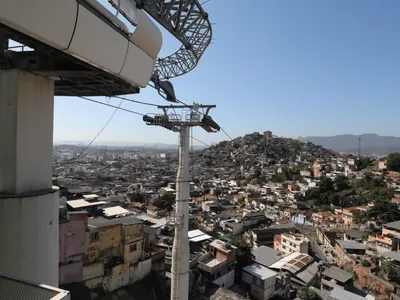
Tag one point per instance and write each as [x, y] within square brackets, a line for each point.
[306, 294]
[341, 183]
[217, 192]
[243, 251]
[384, 211]
[393, 162]
[326, 185]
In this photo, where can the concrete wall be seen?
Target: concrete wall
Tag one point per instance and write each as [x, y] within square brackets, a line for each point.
[227, 280]
[110, 237]
[139, 271]
[72, 236]
[93, 270]
[124, 275]
[71, 273]
[29, 238]
[133, 257]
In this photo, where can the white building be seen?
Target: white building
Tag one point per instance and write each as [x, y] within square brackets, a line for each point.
[291, 243]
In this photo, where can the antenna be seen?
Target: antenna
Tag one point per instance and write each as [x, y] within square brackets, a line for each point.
[191, 116]
[359, 148]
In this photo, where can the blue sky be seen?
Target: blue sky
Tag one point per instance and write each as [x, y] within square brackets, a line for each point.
[304, 67]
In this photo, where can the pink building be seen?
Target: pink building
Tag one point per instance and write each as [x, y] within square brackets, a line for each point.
[72, 246]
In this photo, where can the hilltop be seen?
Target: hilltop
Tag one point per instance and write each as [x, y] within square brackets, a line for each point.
[248, 152]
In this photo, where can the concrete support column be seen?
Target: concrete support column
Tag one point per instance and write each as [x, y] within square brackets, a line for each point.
[28, 202]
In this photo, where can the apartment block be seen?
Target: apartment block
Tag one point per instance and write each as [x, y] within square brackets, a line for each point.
[292, 242]
[114, 254]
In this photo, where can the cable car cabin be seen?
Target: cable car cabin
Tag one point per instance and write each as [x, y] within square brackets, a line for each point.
[81, 45]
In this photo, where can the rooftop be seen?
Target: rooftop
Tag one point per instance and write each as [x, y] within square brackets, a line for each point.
[337, 274]
[351, 245]
[266, 256]
[220, 245]
[260, 271]
[103, 222]
[83, 203]
[198, 236]
[114, 211]
[392, 225]
[354, 233]
[293, 262]
[12, 289]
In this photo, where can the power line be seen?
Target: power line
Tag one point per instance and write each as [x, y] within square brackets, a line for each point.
[135, 101]
[200, 142]
[118, 108]
[97, 135]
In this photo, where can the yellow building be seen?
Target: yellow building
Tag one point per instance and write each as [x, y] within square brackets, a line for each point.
[113, 253]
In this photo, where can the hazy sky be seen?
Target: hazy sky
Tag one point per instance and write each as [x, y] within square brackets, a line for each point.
[304, 67]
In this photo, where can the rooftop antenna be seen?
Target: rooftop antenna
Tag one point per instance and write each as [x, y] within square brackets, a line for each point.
[359, 148]
[192, 115]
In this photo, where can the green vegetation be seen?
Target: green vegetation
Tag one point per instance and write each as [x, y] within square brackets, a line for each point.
[391, 270]
[243, 251]
[384, 211]
[393, 162]
[365, 263]
[306, 294]
[343, 192]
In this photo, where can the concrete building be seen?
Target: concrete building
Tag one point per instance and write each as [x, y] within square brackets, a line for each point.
[218, 265]
[264, 283]
[349, 251]
[72, 247]
[293, 242]
[114, 253]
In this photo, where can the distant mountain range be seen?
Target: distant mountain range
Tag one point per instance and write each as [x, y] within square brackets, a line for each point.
[371, 144]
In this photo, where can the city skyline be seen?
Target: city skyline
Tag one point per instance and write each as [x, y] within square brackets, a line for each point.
[314, 69]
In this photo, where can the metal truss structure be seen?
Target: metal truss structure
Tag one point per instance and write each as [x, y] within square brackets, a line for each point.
[192, 115]
[186, 21]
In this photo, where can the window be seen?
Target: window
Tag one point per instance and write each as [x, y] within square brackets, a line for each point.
[94, 237]
[132, 248]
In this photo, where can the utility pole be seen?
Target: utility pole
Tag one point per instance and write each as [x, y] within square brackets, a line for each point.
[191, 116]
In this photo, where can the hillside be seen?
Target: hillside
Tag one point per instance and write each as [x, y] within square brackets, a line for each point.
[248, 151]
[371, 144]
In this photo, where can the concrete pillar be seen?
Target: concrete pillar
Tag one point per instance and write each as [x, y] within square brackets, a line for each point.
[28, 202]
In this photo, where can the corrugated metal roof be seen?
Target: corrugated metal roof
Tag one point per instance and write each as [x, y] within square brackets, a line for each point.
[12, 289]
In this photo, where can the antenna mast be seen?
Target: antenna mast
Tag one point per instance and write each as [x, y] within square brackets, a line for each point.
[359, 148]
[182, 123]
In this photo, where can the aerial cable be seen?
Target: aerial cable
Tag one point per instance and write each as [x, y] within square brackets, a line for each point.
[135, 101]
[98, 134]
[116, 107]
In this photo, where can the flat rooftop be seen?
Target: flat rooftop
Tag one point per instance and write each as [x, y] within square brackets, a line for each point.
[220, 245]
[75, 204]
[103, 222]
[12, 289]
[260, 271]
